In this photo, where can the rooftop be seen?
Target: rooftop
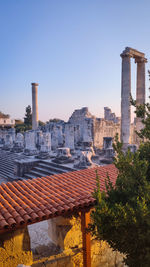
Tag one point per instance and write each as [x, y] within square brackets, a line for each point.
[29, 201]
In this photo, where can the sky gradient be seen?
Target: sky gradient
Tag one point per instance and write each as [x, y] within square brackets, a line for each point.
[72, 49]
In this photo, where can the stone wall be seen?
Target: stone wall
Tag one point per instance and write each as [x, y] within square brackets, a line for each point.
[24, 166]
[66, 233]
[103, 128]
[15, 248]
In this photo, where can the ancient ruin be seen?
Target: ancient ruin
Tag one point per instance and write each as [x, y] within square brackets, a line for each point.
[85, 141]
[57, 147]
[82, 142]
[140, 59]
[34, 106]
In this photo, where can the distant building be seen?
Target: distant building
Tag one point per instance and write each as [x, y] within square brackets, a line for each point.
[6, 121]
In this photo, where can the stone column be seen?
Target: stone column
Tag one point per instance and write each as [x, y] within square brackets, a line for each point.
[125, 99]
[140, 88]
[34, 106]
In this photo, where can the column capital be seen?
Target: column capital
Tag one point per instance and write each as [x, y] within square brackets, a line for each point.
[125, 54]
[35, 84]
[140, 60]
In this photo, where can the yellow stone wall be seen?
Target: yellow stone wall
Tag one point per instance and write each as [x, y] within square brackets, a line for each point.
[67, 234]
[15, 248]
[102, 256]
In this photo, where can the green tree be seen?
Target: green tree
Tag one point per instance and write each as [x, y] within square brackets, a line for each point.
[41, 123]
[55, 120]
[27, 124]
[122, 213]
[28, 116]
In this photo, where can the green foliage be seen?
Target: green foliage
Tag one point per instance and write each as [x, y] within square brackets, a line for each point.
[27, 125]
[20, 128]
[122, 213]
[28, 116]
[18, 122]
[41, 123]
[54, 120]
[143, 112]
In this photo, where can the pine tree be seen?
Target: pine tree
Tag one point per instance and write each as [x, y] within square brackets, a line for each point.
[28, 116]
[122, 213]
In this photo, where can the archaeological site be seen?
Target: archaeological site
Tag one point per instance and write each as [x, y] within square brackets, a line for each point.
[47, 176]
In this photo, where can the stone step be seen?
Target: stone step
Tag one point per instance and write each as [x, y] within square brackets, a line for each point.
[6, 168]
[28, 176]
[51, 168]
[13, 178]
[5, 173]
[67, 168]
[3, 168]
[8, 159]
[6, 164]
[43, 170]
[37, 173]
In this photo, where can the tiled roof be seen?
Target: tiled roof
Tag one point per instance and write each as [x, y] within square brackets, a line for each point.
[29, 201]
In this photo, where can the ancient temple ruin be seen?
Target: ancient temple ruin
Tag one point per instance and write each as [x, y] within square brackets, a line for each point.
[34, 105]
[140, 59]
[81, 142]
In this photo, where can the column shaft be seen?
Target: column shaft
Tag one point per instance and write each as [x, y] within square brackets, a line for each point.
[140, 89]
[125, 100]
[34, 106]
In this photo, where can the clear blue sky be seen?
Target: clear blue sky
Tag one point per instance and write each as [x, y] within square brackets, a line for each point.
[72, 49]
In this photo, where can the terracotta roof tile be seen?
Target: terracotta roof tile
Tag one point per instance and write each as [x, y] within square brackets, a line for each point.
[29, 201]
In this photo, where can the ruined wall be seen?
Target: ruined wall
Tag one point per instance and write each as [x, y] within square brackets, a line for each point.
[15, 248]
[82, 127]
[103, 128]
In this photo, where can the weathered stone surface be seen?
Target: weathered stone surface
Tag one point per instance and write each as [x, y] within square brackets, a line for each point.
[69, 136]
[15, 249]
[125, 100]
[126, 91]
[34, 106]
[66, 232]
[24, 166]
[110, 116]
[84, 160]
[45, 142]
[30, 144]
[38, 233]
[140, 90]
[54, 138]
[103, 128]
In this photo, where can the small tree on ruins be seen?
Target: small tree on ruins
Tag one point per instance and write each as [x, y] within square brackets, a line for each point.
[28, 116]
[27, 125]
[122, 213]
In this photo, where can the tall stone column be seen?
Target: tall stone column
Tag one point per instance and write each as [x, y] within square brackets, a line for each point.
[140, 88]
[34, 106]
[125, 99]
